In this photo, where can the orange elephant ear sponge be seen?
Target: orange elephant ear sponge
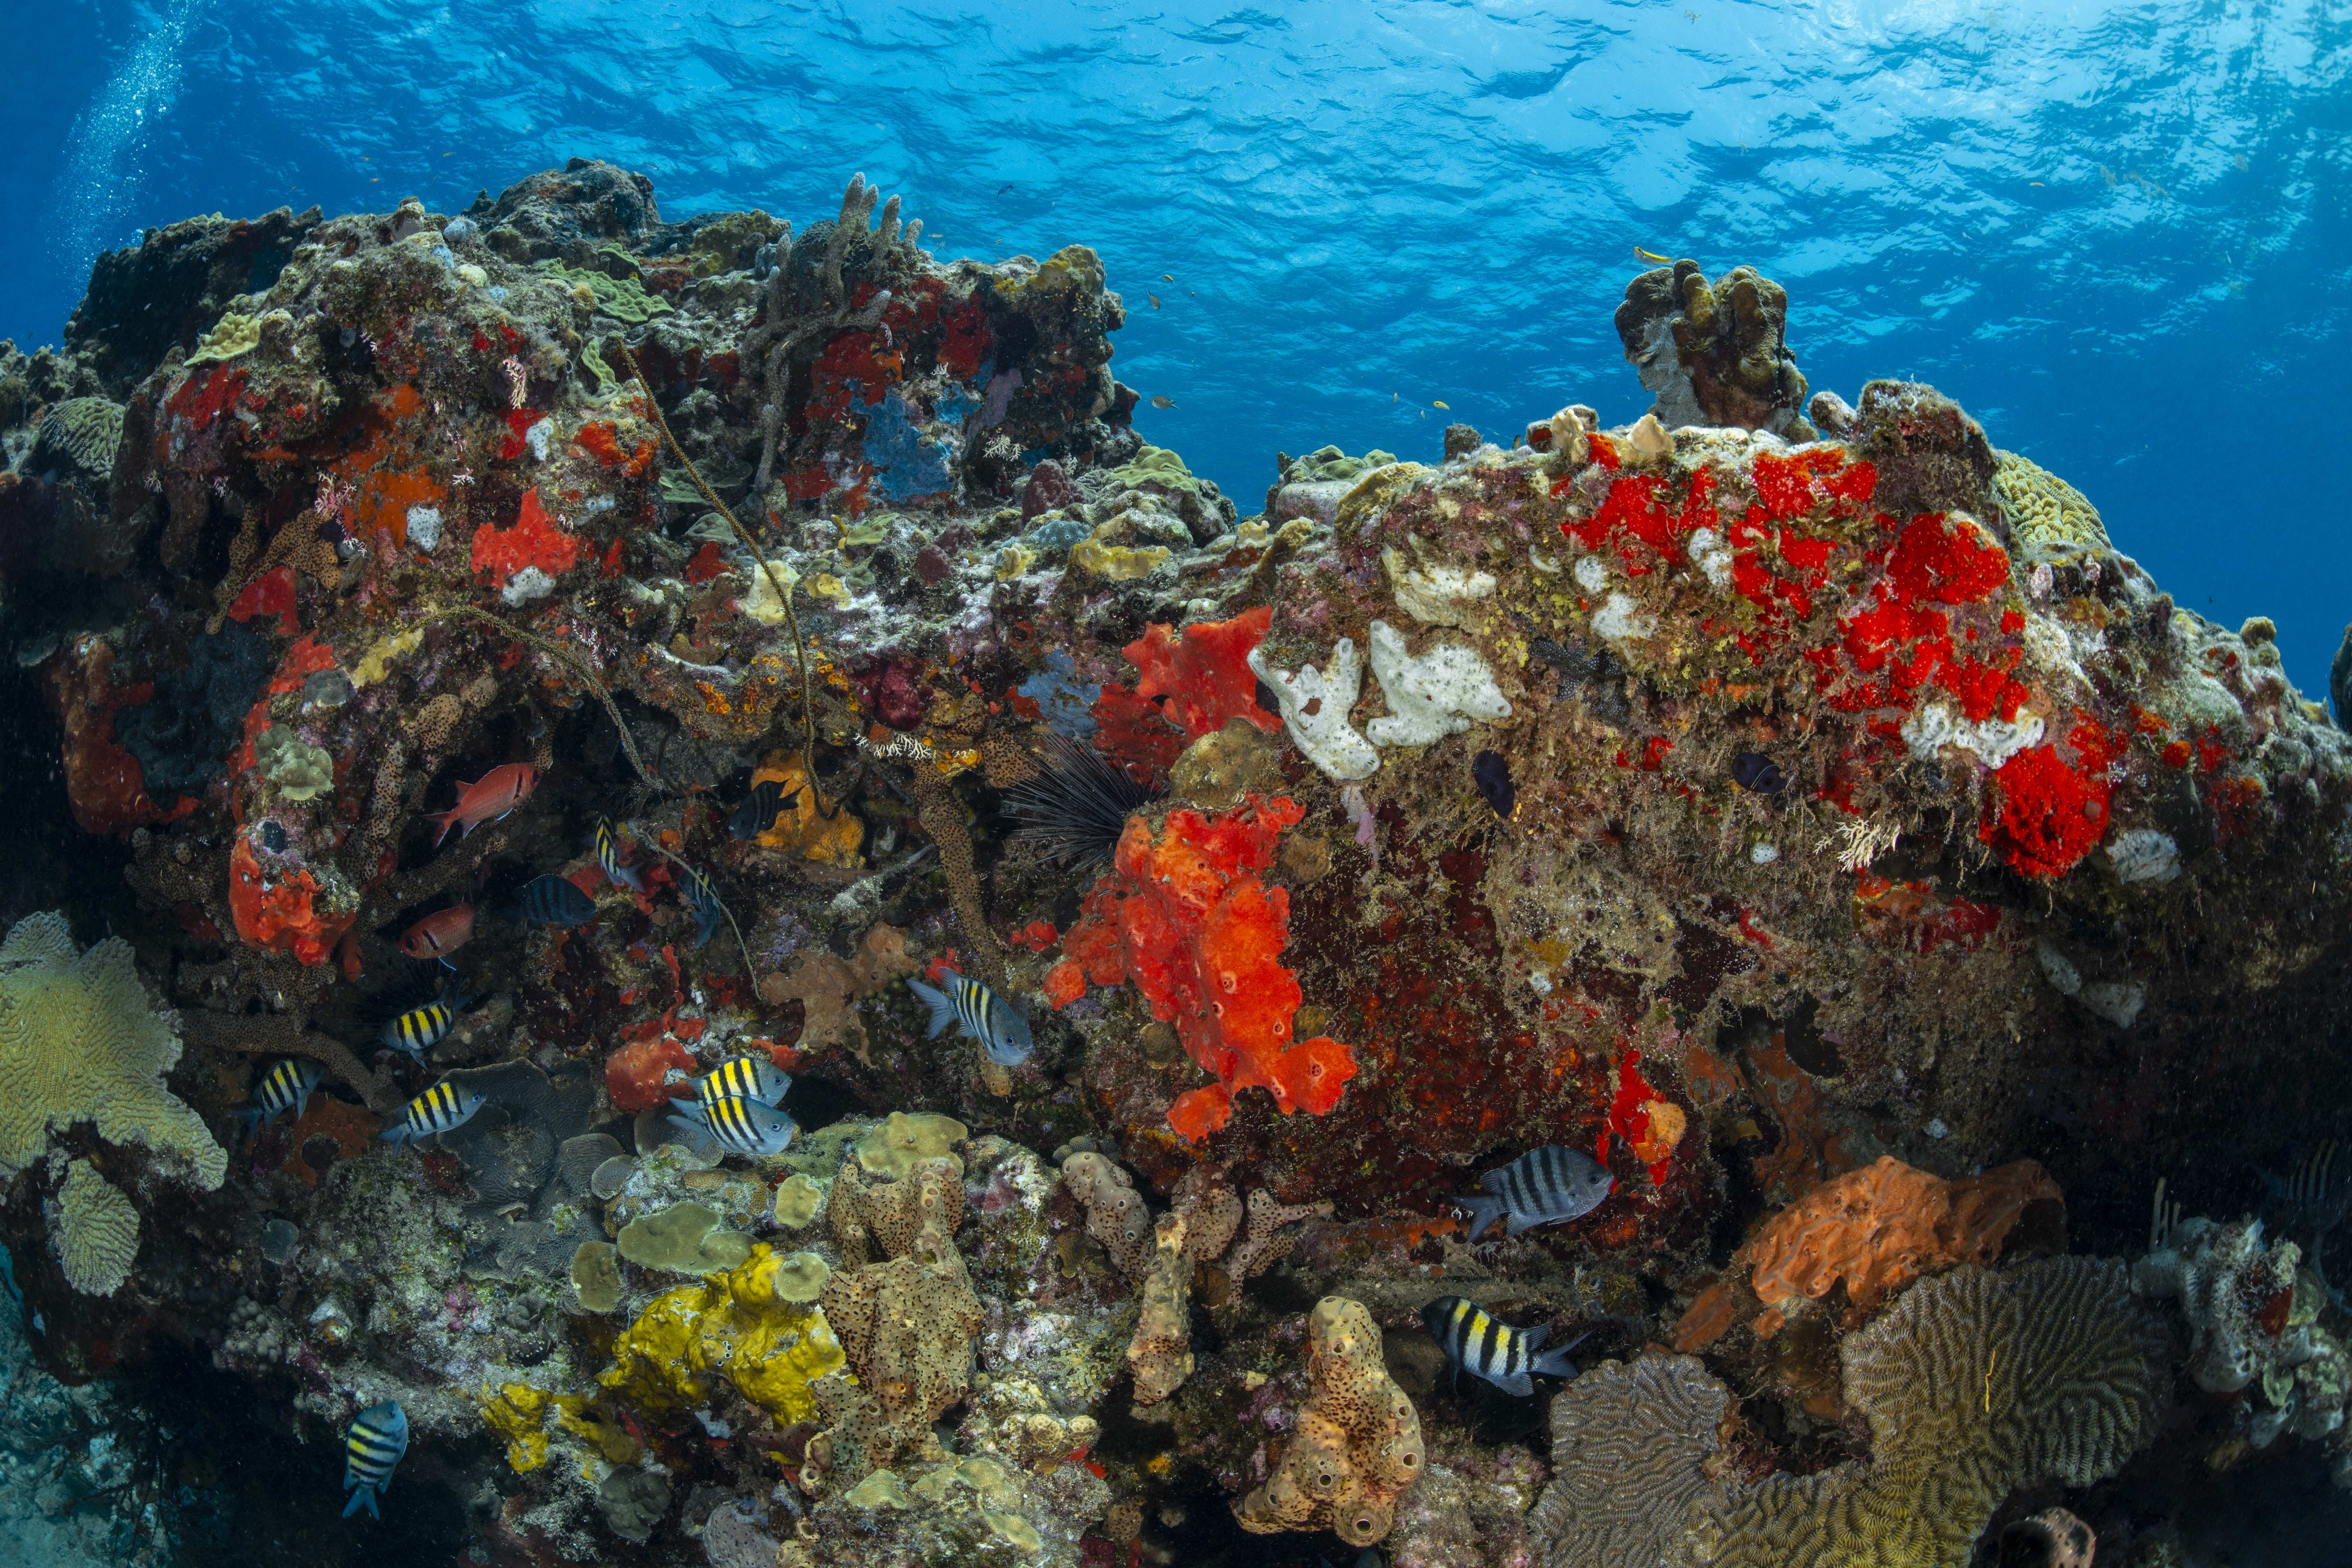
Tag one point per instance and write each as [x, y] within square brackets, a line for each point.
[1184, 919]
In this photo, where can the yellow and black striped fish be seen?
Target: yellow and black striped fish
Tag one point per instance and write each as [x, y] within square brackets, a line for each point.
[608, 856]
[418, 1030]
[740, 1077]
[1493, 1350]
[287, 1086]
[999, 1028]
[378, 1437]
[741, 1125]
[440, 1108]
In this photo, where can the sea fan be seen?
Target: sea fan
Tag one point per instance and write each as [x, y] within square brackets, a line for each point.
[1078, 805]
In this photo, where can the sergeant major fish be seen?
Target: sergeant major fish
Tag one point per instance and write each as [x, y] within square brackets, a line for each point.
[737, 1123]
[444, 1108]
[419, 1030]
[757, 811]
[487, 799]
[440, 934]
[745, 1078]
[703, 899]
[378, 1437]
[608, 856]
[553, 900]
[1542, 1187]
[287, 1086]
[1492, 1348]
[996, 1025]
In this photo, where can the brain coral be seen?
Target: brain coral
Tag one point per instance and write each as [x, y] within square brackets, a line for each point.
[97, 1231]
[80, 1043]
[2048, 518]
[1628, 1445]
[1974, 1384]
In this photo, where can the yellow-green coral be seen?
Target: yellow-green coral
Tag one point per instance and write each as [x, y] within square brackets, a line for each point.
[300, 770]
[596, 1276]
[740, 1325]
[97, 1231]
[2048, 518]
[903, 1140]
[684, 1239]
[233, 335]
[797, 1201]
[78, 1042]
[1113, 562]
[623, 298]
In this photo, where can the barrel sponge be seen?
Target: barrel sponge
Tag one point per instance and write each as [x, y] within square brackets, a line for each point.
[1631, 1442]
[1356, 1445]
[97, 1231]
[78, 1042]
[1974, 1384]
[2049, 519]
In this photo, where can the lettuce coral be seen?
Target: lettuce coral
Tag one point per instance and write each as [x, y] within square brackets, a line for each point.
[78, 1042]
[97, 1231]
[1184, 917]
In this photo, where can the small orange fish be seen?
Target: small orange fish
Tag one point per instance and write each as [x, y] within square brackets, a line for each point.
[488, 798]
[440, 934]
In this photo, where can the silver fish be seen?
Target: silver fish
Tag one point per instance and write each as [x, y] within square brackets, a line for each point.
[736, 1124]
[378, 1437]
[1542, 1187]
[1492, 1348]
[997, 1026]
[440, 1108]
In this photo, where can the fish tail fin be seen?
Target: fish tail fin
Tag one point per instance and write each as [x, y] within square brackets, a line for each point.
[448, 819]
[685, 1105]
[250, 1122]
[1554, 1363]
[942, 1008]
[363, 1497]
[397, 1134]
[631, 877]
[1483, 1212]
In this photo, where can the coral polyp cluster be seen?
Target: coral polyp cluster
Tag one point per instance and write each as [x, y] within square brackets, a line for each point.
[566, 687]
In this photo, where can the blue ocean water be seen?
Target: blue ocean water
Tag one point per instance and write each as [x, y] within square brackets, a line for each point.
[2118, 233]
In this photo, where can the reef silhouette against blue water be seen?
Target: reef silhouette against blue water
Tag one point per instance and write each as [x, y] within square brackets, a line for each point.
[702, 879]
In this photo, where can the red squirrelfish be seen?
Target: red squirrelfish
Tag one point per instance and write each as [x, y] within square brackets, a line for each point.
[488, 798]
[440, 934]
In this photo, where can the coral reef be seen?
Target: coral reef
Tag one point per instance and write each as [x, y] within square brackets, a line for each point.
[1799, 804]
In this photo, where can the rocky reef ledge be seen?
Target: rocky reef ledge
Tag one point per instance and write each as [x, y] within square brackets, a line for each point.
[1800, 807]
